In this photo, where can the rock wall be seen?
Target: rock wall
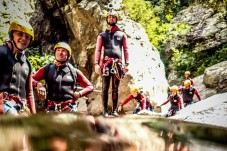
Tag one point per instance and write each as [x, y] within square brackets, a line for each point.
[209, 29]
[208, 33]
[213, 81]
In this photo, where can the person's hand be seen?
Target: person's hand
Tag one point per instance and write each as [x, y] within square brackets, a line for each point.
[97, 69]
[119, 109]
[41, 91]
[125, 70]
[76, 95]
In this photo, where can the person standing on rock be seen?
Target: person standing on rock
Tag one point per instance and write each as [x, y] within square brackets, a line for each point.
[187, 77]
[113, 40]
[61, 80]
[188, 92]
[175, 101]
[143, 101]
[16, 93]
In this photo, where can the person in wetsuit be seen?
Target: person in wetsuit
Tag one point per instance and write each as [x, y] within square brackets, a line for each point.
[188, 92]
[16, 93]
[187, 77]
[143, 101]
[114, 41]
[61, 80]
[175, 102]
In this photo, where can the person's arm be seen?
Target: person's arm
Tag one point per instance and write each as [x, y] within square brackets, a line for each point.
[143, 102]
[98, 49]
[39, 75]
[30, 95]
[192, 83]
[40, 89]
[84, 83]
[126, 100]
[179, 103]
[125, 48]
[165, 102]
[197, 94]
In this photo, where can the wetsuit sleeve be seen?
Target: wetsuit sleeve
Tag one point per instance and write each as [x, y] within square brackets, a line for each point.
[179, 102]
[30, 95]
[180, 90]
[84, 83]
[197, 94]
[192, 82]
[165, 102]
[126, 100]
[98, 49]
[39, 75]
[143, 101]
[125, 47]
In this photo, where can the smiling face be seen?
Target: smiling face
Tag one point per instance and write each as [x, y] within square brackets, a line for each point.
[61, 54]
[21, 39]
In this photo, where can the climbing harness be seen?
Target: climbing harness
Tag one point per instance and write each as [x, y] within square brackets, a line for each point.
[13, 101]
[62, 106]
[112, 66]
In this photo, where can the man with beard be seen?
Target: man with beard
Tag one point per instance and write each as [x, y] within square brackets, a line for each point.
[111, 65]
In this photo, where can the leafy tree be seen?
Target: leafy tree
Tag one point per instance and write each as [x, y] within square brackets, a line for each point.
[38, 59]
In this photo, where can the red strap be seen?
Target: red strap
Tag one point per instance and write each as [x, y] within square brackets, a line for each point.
[1, 103]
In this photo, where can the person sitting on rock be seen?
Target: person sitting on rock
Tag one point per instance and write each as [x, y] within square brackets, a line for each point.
[143, 101]
[187, 77]
[188, 92]
[175, 101]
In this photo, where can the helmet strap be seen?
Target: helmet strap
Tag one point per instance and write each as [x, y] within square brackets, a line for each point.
[14, 44]
[61, 62]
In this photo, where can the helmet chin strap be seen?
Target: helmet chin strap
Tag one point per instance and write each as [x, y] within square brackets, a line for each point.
[61, 62]
[14, 44]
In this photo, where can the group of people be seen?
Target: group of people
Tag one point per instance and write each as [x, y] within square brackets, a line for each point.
[61, 79]
[17, 80]
[181, 96]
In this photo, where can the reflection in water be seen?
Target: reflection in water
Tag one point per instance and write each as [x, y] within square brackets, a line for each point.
[184, 136]
[71, 132]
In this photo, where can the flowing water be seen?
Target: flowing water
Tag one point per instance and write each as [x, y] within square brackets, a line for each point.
[71, 132]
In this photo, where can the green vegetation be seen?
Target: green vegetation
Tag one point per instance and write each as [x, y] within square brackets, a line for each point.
[155, 17]
[185, 60]
[37, 59]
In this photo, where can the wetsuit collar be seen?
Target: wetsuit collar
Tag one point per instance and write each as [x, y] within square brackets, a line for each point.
[114, 29]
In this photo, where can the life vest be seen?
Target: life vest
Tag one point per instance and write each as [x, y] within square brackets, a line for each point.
[60, 81]
[188, 94]
[112, 43]
[174, 102]
[14, 73]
